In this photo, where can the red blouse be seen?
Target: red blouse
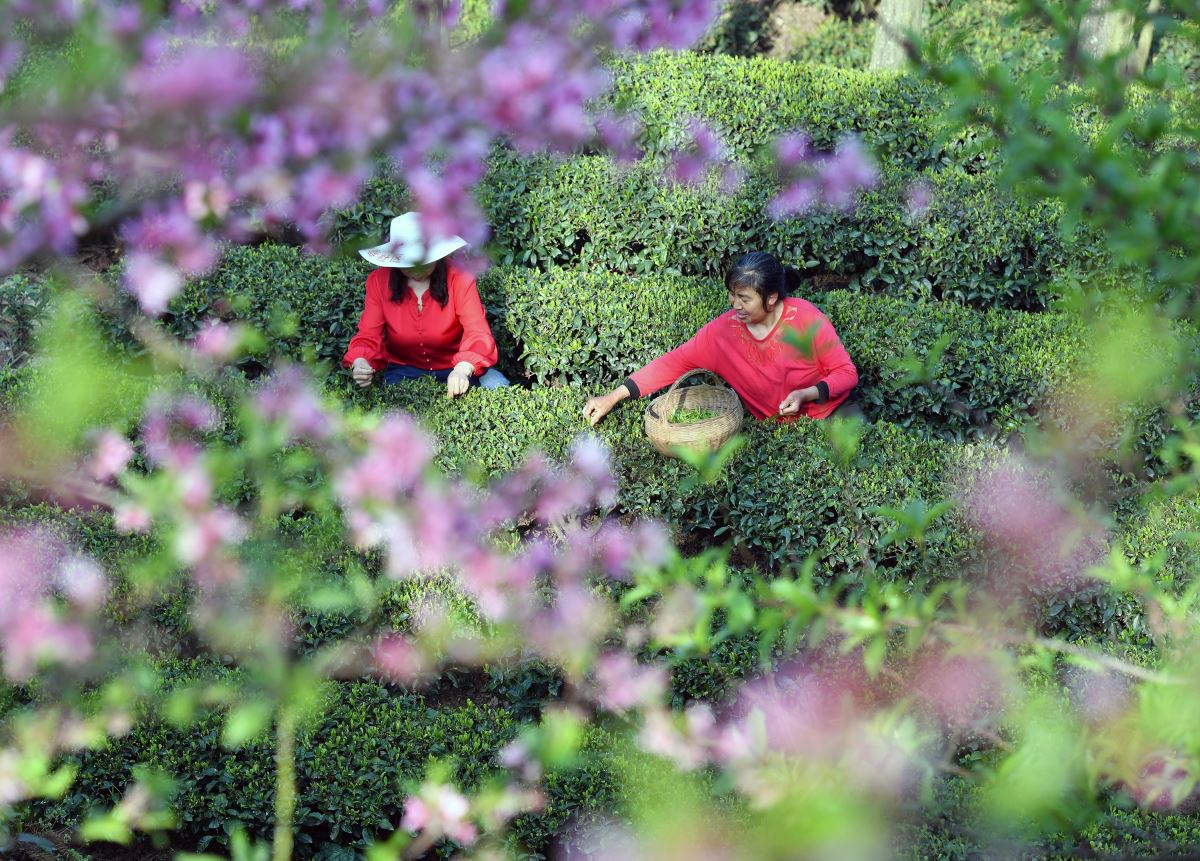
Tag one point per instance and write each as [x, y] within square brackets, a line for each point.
[433, 338]
[764, 372]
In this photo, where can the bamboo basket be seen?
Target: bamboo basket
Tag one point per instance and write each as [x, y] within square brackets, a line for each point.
[708, 434]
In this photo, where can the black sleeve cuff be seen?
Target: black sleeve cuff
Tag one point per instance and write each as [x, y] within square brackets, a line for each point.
[822, 392]
[634, 391]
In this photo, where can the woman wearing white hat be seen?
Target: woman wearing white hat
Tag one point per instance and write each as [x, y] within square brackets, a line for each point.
[422, 316]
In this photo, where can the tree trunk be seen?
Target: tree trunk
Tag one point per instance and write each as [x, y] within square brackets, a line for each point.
[1140, 58]
[896, 19]
[1105, 31]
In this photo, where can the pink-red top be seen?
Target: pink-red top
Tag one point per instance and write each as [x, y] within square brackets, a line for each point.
[763, 372]
[432, 338]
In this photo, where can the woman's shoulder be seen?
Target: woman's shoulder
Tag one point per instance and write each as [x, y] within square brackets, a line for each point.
[458, 278]
[378, 278]
[801, 311]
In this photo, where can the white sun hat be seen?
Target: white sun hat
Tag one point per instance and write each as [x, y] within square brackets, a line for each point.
[407, 246]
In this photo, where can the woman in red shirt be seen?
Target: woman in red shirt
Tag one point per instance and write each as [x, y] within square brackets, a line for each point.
[745, 346]
[422, 316]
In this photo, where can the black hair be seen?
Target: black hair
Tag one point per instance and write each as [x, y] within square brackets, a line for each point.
[439, 286]
[762, 273]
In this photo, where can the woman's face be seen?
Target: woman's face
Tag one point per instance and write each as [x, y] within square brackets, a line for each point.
[418, 273]
[748, 305]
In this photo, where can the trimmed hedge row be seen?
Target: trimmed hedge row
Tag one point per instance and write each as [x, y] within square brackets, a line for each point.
[752, 101]
[350, 767]
[594, 328]
[783, 496]
[974, 244]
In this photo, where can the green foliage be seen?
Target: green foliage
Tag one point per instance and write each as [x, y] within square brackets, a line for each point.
[351, 765]
[974, 244]
[742, 30]
[308, 304]
[24, 303]
[751, 101]
[687, 417]
[783, 495]
[592, 329]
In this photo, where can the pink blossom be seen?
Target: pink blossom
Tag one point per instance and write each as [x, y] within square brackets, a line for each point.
[809, 179]
[83, 582]
[843, 176]
[918, 198]
[153, 282]
[624, 684]
[196, 80]
[201, 535]
[290, 399]
[964, 692]
[398, 452]
[704, 150]
[685, 741]
[439, 809]
[397, 659]
[1028, 520]
[130, 518]
[216, 341]
[36, 636]
[111, 453]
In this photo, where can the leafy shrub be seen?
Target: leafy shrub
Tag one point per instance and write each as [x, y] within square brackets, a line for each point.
[975, 243]
[351, 766]
[751, 101]
[742, 30]
[783, 496]
[592, 329]
[23, 304]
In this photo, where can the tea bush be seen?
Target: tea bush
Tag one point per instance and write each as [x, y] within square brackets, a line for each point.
[781, 497]
[593, 328]
[23, 304]
[752, 101]
[974, 244]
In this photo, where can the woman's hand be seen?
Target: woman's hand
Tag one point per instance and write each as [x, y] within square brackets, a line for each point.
[362, 373]
[598, 407]
[459, 380]
[791, 404]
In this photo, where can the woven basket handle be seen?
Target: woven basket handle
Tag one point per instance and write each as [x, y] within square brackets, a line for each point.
[691, 373]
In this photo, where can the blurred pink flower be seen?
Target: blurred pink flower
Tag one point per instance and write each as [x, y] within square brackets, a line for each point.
[686, 742]
[1028, 520]
[153, 282]
[964, 692]
[397, 453]
[36, 635]
[809, 179]
[34, 563]
[918, 198]
[129, 518]
[288, 397]
[198, 79]
[624, 684]
[111, 453]
[201, 535]
[83, 582]
[397, 659]
[703, 151]
[216, 341]
[850, 170]
[439, 809]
